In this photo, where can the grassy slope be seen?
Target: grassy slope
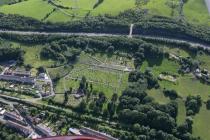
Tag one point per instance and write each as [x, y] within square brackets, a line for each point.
[188, 85]
[196, 11]
[32, 56]
[158, 7]
[204, 59]
[181, 111]
[113, 7]
[31, 8]
[201, 125]
[158, 67]
[84, 7]
[158, 96]
[38, 9]
[176, 51]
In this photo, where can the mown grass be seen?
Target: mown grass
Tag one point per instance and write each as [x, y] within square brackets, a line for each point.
[205, 60]
[176, 51]
[60, 71]
[194, 10]
[39, 8]
[113, 7]
[32, 56]
[197, 12]
[158, 7]
[31, 8]
[181, 117]
[188, 85]
[59, 98]
[159, 66]
[201, 125]
[158, 96]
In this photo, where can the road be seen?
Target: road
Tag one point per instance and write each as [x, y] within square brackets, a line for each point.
[100, 35]
[131, 31]
[208, 5]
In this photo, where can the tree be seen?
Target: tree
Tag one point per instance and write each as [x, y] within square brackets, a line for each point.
[82, 106]
[173, 5]
[91, 87]
[105, 113]
[28, 67]
[208, 104]
[111, 106]
[66, 98]
[193, 104]
[114, 97]
[41, 69]
[110, 50]
[82, 85]
[172, 94]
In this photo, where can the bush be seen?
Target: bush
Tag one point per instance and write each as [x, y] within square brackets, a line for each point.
[208, 104]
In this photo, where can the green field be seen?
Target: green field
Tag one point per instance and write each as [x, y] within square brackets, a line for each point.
[201, 125]
[188, 85]
[59, 98]
[31, 8]
[204, 59]
[160, 66]
[158, 7]
[176, 51]
[32, 56]
[194, 10]
[181, 112]
[78, 9]
[158, 96]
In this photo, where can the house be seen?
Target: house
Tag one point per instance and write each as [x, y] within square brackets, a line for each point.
[44, 131]
[43, 76]
[2, 112]
[91, 132]
[13, 78]
[19, 128]
[74, 131]
[22, 73]
[15, 118]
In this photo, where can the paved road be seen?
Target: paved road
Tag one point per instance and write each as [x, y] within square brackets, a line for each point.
[99, 34]
[208, 5]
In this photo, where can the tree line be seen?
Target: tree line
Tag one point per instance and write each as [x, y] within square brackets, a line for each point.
[145, 24]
